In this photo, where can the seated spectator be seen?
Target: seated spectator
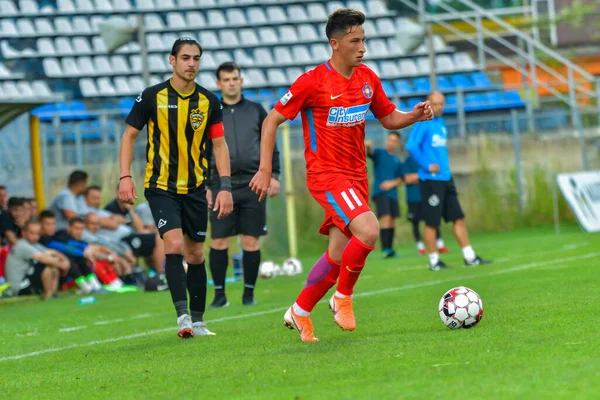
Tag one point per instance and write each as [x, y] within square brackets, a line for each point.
[3, 198]
[148, 245]
[32, 268]
[79, 268]
[12, 221]
[30, 206]
[64, 206]
[143, 210]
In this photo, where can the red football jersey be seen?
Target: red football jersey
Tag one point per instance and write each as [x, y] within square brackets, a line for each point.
[334, 111]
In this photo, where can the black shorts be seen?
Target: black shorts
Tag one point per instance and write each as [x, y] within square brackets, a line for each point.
[440, 199]
[249, 216]
[188, 212]
[415, 211]
[142, 244]
[32, 282]
[386, 206]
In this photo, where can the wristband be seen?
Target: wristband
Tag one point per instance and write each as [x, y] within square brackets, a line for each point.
[125, 176]
[225, 183]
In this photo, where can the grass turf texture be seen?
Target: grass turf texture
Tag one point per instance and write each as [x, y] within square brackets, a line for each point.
[538, 336]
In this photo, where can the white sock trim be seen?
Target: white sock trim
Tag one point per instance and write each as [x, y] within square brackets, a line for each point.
[434, 258]
[300, 311]
[468, 253]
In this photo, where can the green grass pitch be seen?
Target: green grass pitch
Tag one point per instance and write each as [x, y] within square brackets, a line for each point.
[538, 337]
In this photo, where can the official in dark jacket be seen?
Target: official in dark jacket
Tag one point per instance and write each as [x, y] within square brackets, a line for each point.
[242, 120]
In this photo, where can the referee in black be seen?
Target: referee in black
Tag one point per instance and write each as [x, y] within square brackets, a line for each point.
[181, 117]
[242, 120]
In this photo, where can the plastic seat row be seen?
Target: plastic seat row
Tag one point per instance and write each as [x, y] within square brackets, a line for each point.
[372, 8]
[25, 89]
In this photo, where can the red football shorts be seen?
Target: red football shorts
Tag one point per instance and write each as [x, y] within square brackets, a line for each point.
[343, 200]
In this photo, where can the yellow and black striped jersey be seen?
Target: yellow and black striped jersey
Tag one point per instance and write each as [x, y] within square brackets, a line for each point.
[179, 127]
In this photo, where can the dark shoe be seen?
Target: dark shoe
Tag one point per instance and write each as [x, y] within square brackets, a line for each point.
[248, 300]
[220, 301]
[390, 254]
[477, 261]
[440, 265]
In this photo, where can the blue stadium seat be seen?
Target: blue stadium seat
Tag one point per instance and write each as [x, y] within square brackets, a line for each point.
[46, 108]
[475, 102]
[444, 84]
[250, 94]
[494, 100]
[403, 87]
[422, 85]
[512, 98]
[388, 88]
[410, 103]
[125, 105]
[402, 106]
[265, 94]
[280, 92]
[461, 81]
[481, 80]
[450, 106]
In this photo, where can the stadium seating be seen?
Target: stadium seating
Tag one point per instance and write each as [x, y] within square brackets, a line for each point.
[274, 41]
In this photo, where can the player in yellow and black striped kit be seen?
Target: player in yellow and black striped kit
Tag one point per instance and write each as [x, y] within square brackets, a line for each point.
[181, 117]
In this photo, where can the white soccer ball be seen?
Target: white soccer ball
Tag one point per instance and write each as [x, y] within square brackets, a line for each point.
[292, 266]
[268, 269]
[460, 307]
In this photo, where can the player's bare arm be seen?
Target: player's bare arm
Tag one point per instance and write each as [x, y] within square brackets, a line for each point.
[411, 179]
[262, 179]
[389, 185]
[398, 119]
[127, 192]
[224, 201]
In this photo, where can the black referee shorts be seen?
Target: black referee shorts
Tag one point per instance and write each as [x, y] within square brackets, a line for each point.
[440, 199]
[142, 244]
[180, 211]
[415, 211]
[249, 216]
[385, 205]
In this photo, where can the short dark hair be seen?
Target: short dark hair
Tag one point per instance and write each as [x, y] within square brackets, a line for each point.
[77, 176]
[395, 133]
[2, 187]
[92, 187]
[76, 220]
[46, 214]
[229, 66]
[341, 20]
[27, 224]
[182, 41]
[15, 202]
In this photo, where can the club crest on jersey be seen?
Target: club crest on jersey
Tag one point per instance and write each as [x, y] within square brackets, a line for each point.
[196, 118]
[347, 116]
[367, 91]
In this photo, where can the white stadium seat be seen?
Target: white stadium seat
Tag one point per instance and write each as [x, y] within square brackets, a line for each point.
[52, 68]
[317, 12]
[144, 5]
[297, 14]
[369, 28]
[8, 51]
[98, 45]
[9, 89]
[120, 5]
[276, 15]
[423, 65]
[376, 8]
[104, 6]
[207, 61]
[105, 87]
[136, 64]
[293, 73]
[156, 63]
[320, 53]
[119, 65]
[264, 57]
[407, 67]
[268, 36]
[283, 55]
[136, 84]
[65, 6]
[334, 5]
[377, 48]
[63, 26]
[228, 38]
[81, 45]
[69, 67]
[122, 86]
[223, 57]
[242, 58]
[216, 18]
[8, 28]
[308, 32]
[175, 20]
[444, 64]
[85, 66]
[88, 87]
[84, 6]
[24, 89]
[154, 42]
[153, 22]
[102, 65]
[357, 5]
[207, 80]
[195, 19]
[28, 7]
[183, 4]
[165, 5]
[385, 26]
[41, 88]
[389, 70]
[287, 34]
[256, 77]
[276, 77]
[45, 47]
[209, 40]
[206, 3]
[463, 61]
[256, 16]
[25, 27]
[249, 38]
[236, 16]
[301, 54]
[81, 25]
[63, 46]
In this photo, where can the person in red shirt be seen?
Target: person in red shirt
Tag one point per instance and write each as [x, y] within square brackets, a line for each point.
[333, 100]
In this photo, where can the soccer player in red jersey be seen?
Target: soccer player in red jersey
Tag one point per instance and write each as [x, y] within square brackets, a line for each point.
[333, 100]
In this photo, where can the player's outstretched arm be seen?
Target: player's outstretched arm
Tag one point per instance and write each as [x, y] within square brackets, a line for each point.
[262, 179]
[126, 187]
[224, 201]
[398, 119]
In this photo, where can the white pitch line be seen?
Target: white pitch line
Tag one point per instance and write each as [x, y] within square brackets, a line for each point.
[73, 328]
[276, 310]
[447, 364]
